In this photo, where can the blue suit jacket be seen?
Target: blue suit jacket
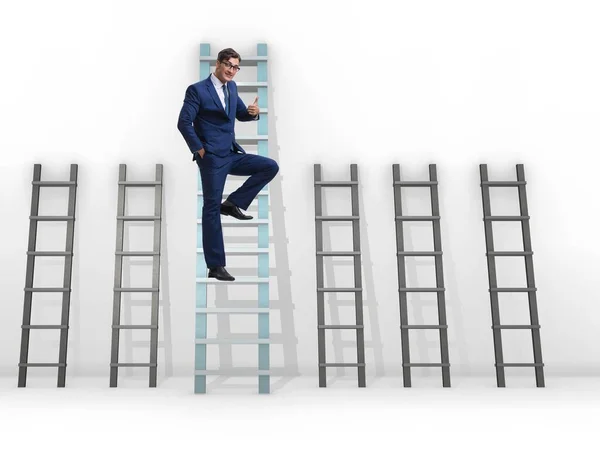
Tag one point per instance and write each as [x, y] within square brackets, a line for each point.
[204, 123]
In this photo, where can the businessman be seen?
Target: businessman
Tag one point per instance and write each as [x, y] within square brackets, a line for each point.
[207, 123]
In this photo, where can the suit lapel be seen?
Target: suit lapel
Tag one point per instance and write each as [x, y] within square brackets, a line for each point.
[213, 93]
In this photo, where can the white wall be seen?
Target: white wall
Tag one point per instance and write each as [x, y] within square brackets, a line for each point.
[373, 83]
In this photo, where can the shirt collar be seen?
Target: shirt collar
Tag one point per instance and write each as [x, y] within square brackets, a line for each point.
[215, 80]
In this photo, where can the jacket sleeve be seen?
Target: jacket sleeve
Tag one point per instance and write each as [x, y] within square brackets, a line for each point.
[241, 113]
[189, 111]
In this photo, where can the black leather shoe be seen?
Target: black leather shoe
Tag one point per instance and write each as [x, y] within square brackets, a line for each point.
[220, 273]
[232, 210]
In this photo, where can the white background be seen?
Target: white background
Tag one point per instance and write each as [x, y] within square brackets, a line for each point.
[374, 83]
[451, 83]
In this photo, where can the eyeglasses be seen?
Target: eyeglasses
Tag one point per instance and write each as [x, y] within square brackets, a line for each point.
[229, 65]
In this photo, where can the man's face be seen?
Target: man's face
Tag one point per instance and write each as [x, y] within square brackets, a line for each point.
[226, 70]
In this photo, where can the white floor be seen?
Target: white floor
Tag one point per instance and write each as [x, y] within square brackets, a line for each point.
[471, 426]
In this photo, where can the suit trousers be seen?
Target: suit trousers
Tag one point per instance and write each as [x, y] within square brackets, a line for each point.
[213, 172]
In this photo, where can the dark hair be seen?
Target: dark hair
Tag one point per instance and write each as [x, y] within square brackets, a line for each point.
[227, 54]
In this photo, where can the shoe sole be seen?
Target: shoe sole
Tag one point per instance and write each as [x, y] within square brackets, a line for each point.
[221, 279]
[227, 214]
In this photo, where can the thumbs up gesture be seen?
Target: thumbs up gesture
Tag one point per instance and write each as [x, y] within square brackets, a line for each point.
[253, 108]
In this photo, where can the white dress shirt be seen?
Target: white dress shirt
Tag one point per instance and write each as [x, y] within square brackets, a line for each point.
[219, 88]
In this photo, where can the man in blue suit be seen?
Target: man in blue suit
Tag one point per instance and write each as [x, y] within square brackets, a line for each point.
[207, 121]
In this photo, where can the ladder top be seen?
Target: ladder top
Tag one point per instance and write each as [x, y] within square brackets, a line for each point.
[247, 60]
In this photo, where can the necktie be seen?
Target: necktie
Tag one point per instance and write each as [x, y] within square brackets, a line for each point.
[226, 93]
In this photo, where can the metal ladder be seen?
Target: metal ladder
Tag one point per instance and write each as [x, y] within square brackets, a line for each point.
[321, 289]
[118, 290]
[494, 290]
[261, 223]
[439, 289]
[32, 253]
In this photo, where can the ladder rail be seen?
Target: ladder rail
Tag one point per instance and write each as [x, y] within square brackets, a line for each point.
[67, 276]
[531, 295]
[439, 275]
[118, 278]
[358, 296]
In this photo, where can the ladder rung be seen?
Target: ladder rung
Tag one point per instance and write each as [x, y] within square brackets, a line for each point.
[419, 253]
[422, 289]
[338, 253]
[248, 60]
[503, 183]
[226, 194]
[233, 341]
[139, 218]
[54, 183]
[427, 364]
[42, 364]
[509, 253]
[234, 311]
[49, 253]
[133, 364]
[45, 326]
[136, 289]
[516, 289]
[516, 364]
[137, 253]
[415, 183]
[140, 183]
[337, 218]
[241, 251]
[336, 183]
[251, 139]
[342, 364]
[134, 326]
[234, 222]
[52, 218]
[341, 326]
[424, 326]
[516, 327]
[331, 289]
[237, 281]
[251, 84]
[417, 218]
[47, 289]
[506, 218]
[234, 372]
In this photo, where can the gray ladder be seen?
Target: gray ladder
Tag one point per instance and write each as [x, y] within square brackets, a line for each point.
[26, 328]
[494, 290]
[321, 289]
[439, 289]
[156, 218]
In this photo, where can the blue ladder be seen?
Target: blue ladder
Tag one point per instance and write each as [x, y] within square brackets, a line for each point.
[262, 250]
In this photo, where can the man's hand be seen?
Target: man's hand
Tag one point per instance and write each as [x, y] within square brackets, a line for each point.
[201, 153]
[253, 109]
